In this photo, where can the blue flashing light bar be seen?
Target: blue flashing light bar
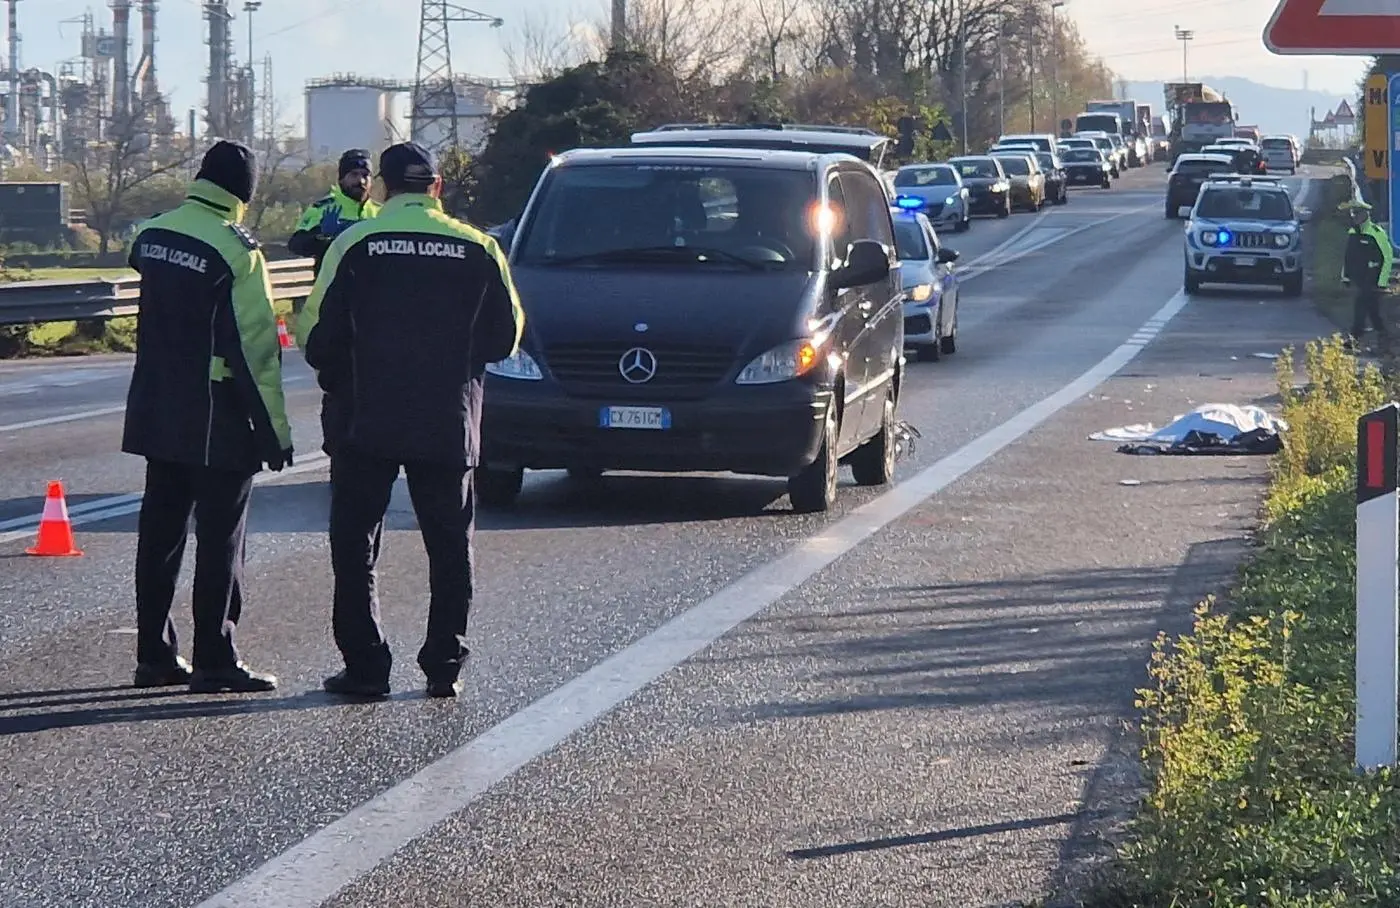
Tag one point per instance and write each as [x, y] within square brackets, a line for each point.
[908, 202]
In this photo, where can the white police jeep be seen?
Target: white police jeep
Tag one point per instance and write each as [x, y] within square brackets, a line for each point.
[1244, 230]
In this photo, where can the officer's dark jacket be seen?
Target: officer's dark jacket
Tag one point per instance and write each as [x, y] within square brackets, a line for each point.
[406, 313]
[207, 385]
[1369, 256]
[323, 221]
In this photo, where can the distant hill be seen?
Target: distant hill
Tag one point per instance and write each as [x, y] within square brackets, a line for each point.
[1273, 110]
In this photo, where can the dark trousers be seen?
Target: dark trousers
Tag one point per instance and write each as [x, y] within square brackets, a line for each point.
[218, 502]
[444, 502]
[1367, 306]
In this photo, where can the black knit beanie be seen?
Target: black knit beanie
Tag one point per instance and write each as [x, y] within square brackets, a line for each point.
[230, 166]
[354, 159]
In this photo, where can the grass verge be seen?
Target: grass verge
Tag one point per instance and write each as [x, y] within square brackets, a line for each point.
[1247, 721]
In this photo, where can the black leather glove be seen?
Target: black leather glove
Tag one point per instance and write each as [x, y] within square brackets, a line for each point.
[281, 462]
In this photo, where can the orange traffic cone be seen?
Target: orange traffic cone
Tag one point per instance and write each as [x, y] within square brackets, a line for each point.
[283, 337]
[55, 529]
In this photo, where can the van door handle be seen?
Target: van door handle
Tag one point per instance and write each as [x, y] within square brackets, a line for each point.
[867, 305]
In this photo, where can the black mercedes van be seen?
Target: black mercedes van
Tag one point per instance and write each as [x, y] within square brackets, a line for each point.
[701, 309]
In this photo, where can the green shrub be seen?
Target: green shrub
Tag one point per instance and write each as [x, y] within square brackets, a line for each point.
[1248, 720]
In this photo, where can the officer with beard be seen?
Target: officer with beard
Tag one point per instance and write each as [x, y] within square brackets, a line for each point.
[347, 203]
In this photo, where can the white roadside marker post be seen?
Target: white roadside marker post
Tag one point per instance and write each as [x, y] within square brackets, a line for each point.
[1377, 588]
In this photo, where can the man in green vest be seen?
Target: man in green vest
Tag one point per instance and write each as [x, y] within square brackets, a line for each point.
[348, 203]
[1367, 265]
[207, 411]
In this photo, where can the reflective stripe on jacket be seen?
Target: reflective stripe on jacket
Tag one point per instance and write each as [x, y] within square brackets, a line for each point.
[405, 315]
[326, 219]
[207, 385]
[1369, 256]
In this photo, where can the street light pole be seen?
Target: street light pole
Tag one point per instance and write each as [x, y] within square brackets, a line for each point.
[1001, 75]
[1055, 49]
[1184, 36]
[250, 7]
[962, 66]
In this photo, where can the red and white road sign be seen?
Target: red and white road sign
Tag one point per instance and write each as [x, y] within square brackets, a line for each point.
[1346, 27]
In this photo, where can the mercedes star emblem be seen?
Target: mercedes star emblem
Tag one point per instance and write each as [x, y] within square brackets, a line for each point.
[637, 365]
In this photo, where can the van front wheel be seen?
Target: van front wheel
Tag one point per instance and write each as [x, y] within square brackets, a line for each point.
[813, 491]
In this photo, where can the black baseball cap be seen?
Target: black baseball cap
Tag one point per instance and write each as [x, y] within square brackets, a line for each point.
[407, 166]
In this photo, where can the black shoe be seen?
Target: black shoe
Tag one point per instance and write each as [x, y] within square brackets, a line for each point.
[238, 680]
[444, 687]
[166, 674]
[350, 685]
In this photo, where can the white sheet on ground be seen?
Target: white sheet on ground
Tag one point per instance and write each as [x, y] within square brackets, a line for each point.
[1225, 420]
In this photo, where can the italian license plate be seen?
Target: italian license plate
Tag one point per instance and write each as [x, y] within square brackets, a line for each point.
[1244, 261]
[634, 418]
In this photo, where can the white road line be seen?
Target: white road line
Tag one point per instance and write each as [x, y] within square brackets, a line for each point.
[56, 420]
[324, 863]
[121, 505]
[21, 528]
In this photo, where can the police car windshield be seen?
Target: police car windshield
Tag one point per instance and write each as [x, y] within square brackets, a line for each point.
[1080, 156]
[697, 213]
[1245, 204]
[925, 176]
[909, 239]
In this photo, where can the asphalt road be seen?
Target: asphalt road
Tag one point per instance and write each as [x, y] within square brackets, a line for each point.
[681, 693]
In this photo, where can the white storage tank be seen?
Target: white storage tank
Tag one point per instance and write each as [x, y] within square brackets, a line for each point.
[345, 114]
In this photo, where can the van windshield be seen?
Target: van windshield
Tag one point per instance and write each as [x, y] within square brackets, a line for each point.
[1105, 122]
[691, 213]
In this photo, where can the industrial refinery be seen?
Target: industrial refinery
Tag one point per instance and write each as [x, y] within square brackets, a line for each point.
[109, 91]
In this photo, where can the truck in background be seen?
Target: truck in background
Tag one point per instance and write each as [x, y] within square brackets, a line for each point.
[1248, 132]
[1131, 128]
[1161, 138]
[1200, 115]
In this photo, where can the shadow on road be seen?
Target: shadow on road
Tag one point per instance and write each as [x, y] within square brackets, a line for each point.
[53, 709]
[929, 838]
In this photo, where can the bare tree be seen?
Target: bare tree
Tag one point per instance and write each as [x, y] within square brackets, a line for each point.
[542, 48]
[695, 39]
[778, 29]
[132, 157]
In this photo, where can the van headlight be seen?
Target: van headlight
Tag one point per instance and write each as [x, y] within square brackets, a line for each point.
[519, 365]
[783, 363]
[1283, 240]
[920, 293]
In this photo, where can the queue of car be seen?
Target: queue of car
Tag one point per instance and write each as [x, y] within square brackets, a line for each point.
[755, 292]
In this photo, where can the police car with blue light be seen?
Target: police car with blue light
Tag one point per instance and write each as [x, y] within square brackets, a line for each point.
[927, 282]
[1243, 230]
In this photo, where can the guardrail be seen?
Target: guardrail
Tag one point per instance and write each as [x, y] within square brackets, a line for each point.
[36, 302]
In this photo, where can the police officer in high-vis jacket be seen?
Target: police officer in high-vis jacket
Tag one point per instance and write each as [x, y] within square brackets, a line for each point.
[206, 410]
[1367, 266]
[407, 312]
[348, 203]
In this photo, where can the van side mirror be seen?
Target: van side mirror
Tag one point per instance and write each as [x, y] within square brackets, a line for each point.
[866, 263]
[1303, 214]
[1183, 211]
[947, 256]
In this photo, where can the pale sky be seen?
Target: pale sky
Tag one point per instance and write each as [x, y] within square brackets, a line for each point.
[311, 38]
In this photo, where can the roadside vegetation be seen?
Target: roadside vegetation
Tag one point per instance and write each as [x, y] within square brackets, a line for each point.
[1247, 721]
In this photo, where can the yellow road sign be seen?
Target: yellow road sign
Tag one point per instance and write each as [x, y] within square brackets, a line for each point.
[1377, 128]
